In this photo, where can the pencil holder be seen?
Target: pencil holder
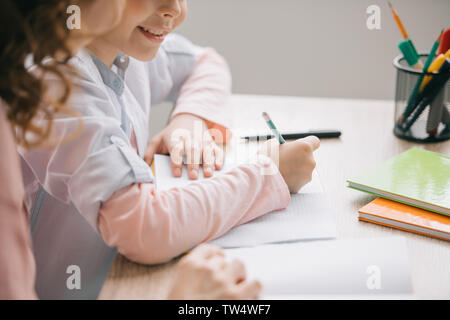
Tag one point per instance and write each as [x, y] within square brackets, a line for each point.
[419, 117]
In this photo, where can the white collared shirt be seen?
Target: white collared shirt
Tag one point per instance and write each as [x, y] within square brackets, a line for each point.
[87, 170]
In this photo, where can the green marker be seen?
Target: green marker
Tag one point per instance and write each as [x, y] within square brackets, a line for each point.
[410, 106]
[273, 128]
[410, 54]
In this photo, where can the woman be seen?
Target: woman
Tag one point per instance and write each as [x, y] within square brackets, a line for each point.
[37, 34]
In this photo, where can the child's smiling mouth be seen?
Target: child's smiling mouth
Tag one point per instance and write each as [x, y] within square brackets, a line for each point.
[152, 34]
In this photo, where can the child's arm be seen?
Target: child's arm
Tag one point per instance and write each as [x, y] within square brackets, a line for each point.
[206, 92]
[198, 81]
[154, 228]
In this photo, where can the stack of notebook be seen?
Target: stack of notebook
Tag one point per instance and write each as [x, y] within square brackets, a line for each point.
[414, 193]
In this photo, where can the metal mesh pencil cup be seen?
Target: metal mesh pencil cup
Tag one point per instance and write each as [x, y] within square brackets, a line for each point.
[433, 123]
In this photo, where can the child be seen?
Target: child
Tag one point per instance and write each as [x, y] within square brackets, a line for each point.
[101, 173]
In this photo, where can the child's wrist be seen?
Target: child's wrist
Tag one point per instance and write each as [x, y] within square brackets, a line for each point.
[265, 163]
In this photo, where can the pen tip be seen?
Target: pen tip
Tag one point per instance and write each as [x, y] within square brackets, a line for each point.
[440, 35]
[390, 4]
[266, 116]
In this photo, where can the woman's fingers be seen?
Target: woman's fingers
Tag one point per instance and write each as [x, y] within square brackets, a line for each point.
[206, 273]
[218, 263]
[236, 271]
[249, 290]
[242, 288]
[206, 251]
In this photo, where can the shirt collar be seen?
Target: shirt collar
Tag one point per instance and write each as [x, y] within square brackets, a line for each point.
[110, 78]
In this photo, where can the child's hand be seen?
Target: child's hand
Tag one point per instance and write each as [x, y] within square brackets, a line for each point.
[187, 135]
[295, 160]
[205, 274]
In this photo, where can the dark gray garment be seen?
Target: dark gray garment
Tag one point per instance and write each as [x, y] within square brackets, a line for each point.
[66, 239]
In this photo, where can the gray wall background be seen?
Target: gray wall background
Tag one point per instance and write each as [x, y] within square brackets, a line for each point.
[319, 48]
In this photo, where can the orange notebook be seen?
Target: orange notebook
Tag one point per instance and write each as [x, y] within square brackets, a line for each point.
[401, 216]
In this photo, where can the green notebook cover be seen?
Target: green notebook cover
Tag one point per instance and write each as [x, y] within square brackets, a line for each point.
[416, 177]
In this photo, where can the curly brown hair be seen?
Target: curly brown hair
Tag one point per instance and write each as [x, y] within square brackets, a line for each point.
[32, 32]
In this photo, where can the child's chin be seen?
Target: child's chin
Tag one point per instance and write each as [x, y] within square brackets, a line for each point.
[145, 56]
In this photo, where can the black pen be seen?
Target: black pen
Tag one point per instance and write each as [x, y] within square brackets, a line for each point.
[297, 135]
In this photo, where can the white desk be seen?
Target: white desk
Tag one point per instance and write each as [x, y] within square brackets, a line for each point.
[367, 140]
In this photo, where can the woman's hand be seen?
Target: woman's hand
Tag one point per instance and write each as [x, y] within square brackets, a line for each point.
[187, 135]
[205, 274]
[295, 160]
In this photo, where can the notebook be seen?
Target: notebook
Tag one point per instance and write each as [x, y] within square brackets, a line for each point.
[376, 267]
[401, 216]
[308, 216]
[416, 177]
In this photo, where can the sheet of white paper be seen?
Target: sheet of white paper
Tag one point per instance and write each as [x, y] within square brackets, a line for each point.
[308, 216]
[338, 267]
